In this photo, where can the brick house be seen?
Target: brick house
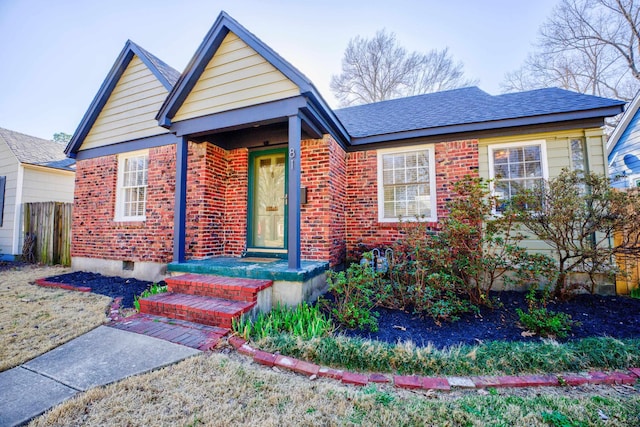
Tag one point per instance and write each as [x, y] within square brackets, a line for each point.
[240, 156]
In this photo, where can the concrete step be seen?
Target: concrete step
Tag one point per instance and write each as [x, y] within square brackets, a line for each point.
[231, 288]
[195, 308]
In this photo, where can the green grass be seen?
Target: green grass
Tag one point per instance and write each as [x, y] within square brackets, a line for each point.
[304, 321]
[487, 359]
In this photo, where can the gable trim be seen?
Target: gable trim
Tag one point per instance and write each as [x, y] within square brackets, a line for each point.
[621, 127]
[124, 147]
[210, 44]
[108, 85]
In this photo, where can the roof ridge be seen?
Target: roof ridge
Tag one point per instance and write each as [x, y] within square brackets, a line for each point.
[404, 98]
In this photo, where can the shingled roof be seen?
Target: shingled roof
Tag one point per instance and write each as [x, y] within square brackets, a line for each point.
[471, 109]
[36, 151]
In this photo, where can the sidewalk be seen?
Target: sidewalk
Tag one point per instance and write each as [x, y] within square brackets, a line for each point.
[97, 358]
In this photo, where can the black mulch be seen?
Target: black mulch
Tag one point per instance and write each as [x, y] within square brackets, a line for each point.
[613, 316]
[105, 285]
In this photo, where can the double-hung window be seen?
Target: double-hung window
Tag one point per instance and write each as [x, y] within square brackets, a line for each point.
[406, 184]
[131, 197]
[516, 167]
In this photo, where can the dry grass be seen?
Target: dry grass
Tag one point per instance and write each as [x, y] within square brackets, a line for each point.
[34, 320]
[227, 390]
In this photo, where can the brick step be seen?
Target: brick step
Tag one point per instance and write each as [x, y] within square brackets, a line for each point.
[194, 335]
[195, 308]
[231, 288]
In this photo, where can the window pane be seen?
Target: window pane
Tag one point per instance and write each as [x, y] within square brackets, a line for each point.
[412, 175]
[500, 156]
[516, 170]
[577, 155]
[411, 159]
[398, 176]
[515, 155]
[501, 171]
[532, 153]
[387, 162]
[387, 177]
[398, 161]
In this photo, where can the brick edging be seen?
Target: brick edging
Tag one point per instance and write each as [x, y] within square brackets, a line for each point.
[45, 283]
[443, 383]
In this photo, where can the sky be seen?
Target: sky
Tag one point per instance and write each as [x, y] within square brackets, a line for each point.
[54, 55]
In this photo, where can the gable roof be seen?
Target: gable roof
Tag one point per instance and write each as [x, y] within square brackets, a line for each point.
[210, 44]
[469, 109]
[621, 127]
[163, 72]
[36, 151]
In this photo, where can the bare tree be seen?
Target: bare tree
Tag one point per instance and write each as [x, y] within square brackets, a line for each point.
[590, 46]
[379, 68]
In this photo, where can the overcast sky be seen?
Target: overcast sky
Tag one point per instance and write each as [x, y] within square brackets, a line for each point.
[54, 55]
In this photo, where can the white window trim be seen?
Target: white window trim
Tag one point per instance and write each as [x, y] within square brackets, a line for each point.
[119, 213]
[432, 182]
[543, 158]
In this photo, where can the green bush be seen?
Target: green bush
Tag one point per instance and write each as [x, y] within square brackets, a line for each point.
[304, 321]
[355, 293]
[154, 289]
[542, 321]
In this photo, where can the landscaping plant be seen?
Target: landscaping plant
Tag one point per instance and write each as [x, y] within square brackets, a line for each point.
[541, 320]
[304, 321]
[577, 214]
[355, 292]
[154, 289]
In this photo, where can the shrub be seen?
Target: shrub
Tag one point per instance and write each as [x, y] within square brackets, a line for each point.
[304, 321]
[355, 293]
[154, 289]
[542, 321]
[577, 214]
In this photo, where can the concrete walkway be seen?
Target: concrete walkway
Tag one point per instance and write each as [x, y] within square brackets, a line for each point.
[100, 357]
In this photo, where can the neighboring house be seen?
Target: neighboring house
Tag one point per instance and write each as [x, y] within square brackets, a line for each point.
[623, 148]
[31, 170]
[240, 155]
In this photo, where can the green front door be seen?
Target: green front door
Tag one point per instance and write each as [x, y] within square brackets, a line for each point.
[267, 201]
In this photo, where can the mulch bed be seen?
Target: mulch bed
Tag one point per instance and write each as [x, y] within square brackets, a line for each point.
[105, 285]
[613, 316]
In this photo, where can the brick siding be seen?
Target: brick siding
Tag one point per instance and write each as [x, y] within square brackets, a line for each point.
[95, 234]
[454, 160]
[341, 210]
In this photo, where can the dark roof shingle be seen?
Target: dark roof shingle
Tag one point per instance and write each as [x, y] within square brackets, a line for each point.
[461, 107]
[37, 151]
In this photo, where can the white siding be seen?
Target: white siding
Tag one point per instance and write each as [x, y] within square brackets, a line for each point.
[8, 168]
[237, 76]
[47, 185]
[130, 110]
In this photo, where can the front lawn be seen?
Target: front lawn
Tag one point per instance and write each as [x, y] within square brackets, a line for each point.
[34, 320]
[219, 390]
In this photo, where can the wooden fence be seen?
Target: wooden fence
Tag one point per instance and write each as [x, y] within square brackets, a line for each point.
[47, 227]
[628, 264]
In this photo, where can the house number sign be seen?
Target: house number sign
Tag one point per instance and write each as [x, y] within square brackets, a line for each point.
[292, 156]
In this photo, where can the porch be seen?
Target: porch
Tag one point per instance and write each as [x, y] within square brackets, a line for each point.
[290, 286]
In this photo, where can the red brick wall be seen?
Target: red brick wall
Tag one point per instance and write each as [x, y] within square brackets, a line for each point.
[342, 208]
[322, 226]
[96, 235]
[236, 201]
[206, 184]
[454, 160]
